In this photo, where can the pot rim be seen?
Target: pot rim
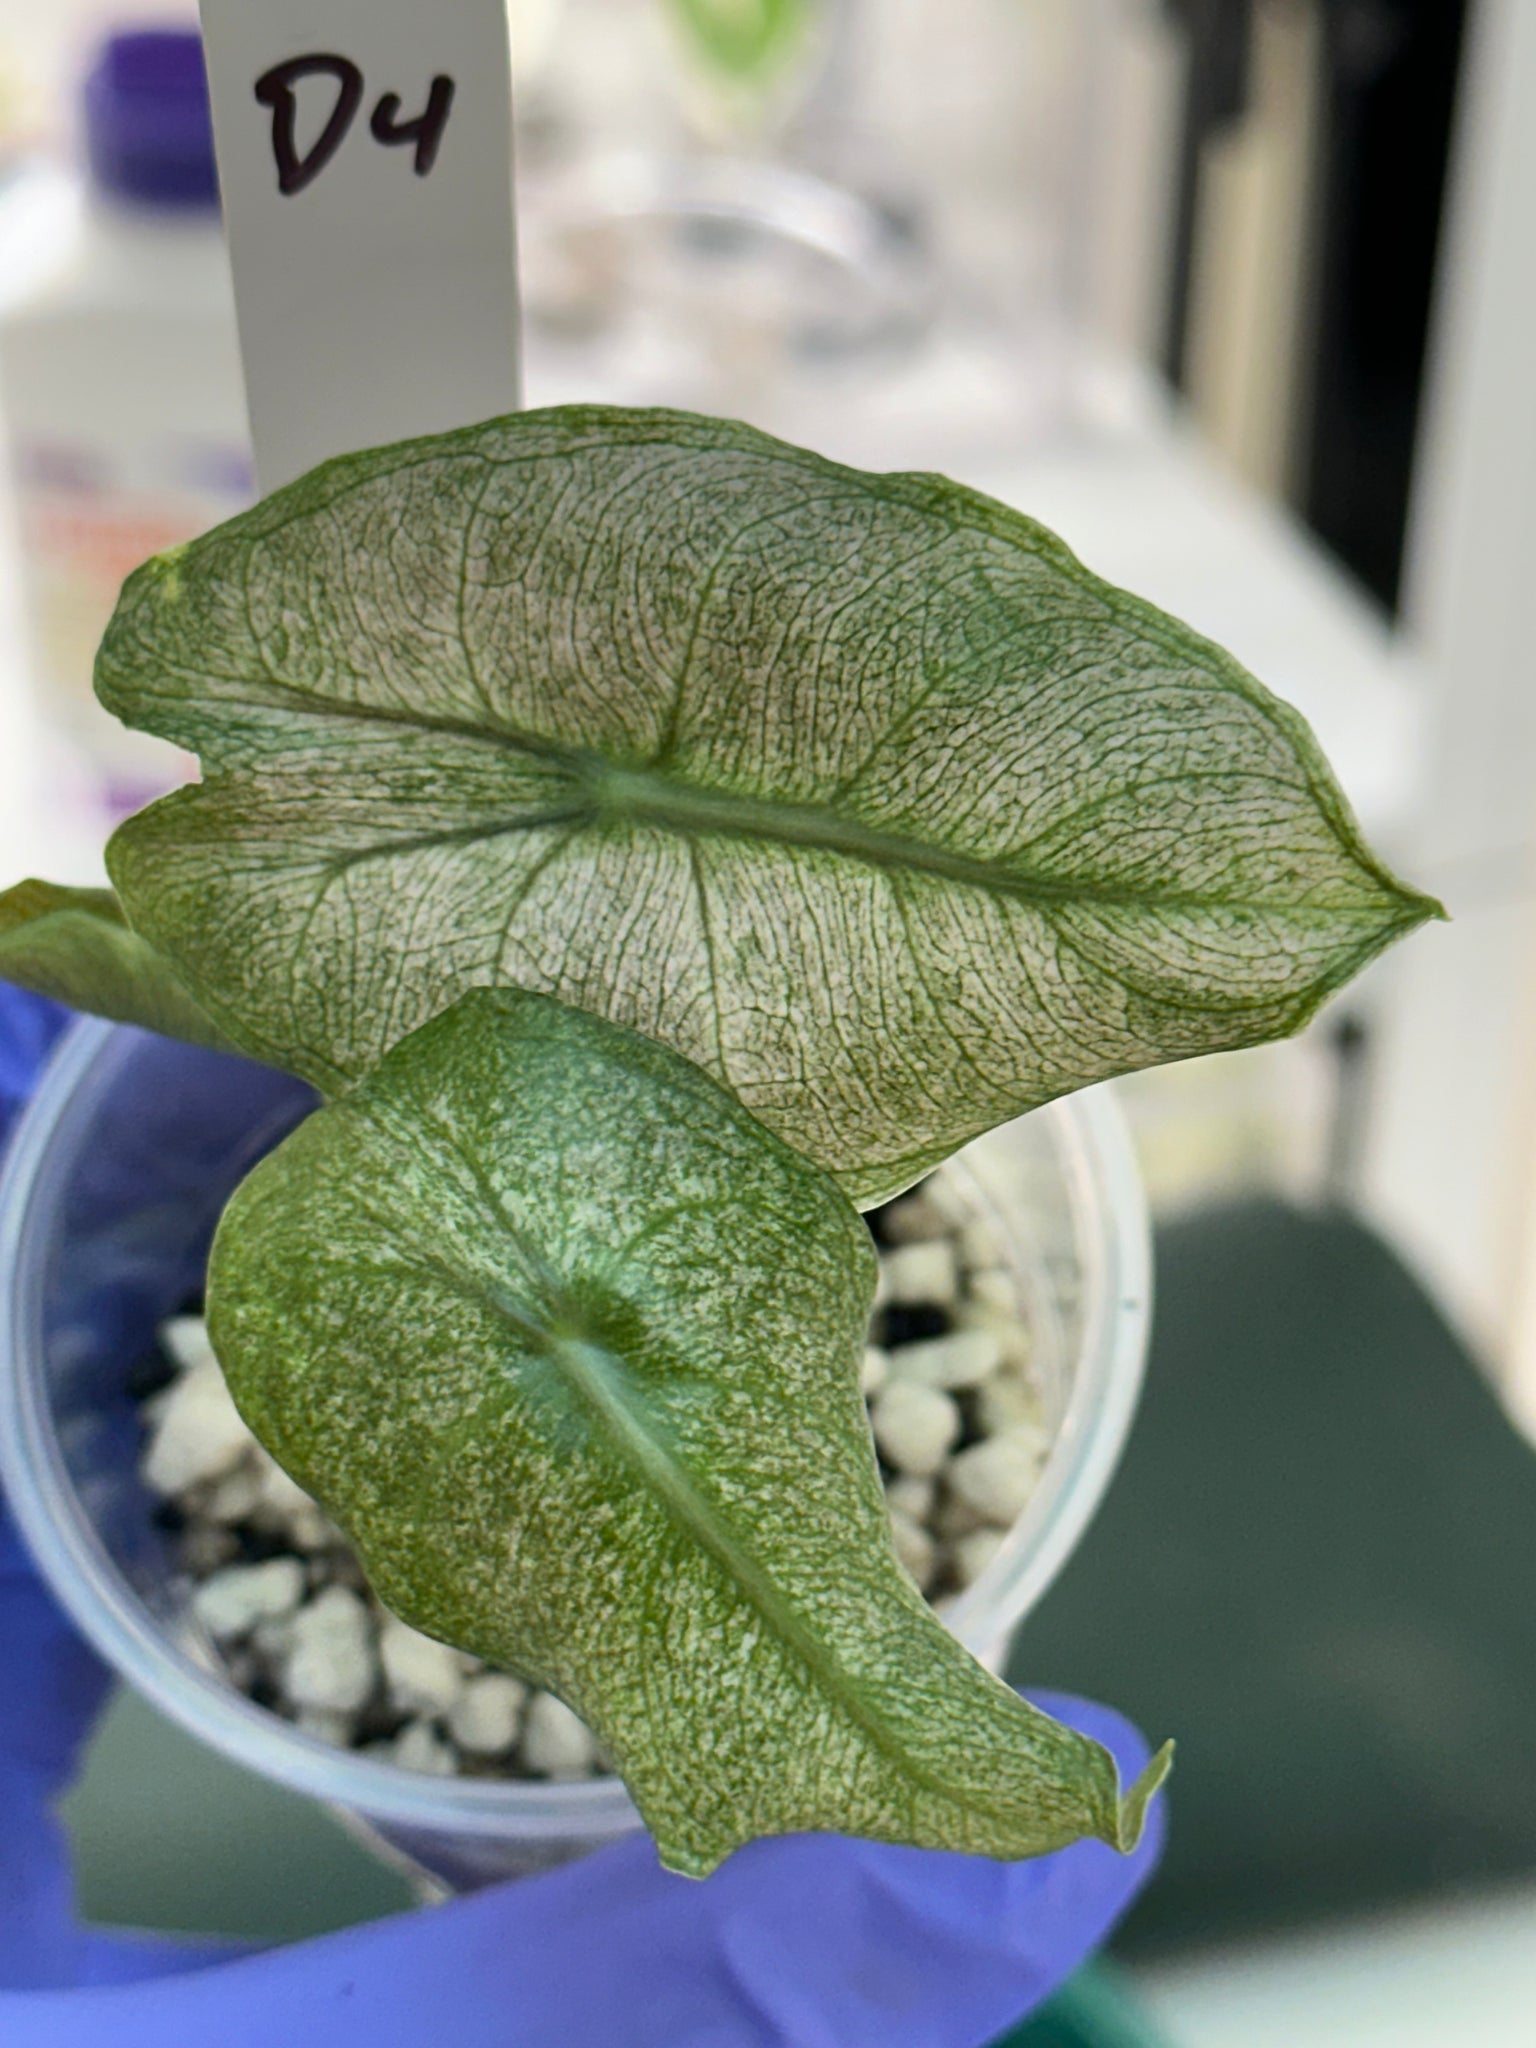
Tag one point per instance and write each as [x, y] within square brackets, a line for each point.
[1098, 1163]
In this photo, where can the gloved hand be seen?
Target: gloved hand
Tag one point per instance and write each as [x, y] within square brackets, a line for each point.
[806, 1942]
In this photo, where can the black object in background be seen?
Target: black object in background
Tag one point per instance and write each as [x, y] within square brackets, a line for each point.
[1386, 105]
[1218, 36]
[1388, 99]
[1313, 1570]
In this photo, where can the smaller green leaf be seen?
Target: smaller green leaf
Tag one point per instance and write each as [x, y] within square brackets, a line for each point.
[745, 39]
[76, 946]
[570, 1344]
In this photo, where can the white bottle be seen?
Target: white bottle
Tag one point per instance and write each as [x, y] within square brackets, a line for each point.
[121, 387]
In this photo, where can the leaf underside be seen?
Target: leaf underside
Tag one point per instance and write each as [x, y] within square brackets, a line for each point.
[75, 946]
[571, 1344]
[858, 791]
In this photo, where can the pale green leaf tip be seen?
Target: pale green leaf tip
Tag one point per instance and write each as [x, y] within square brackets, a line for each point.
[1132, 1819]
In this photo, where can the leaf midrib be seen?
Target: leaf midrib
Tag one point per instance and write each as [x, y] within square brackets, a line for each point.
[599, 1380]
[638, 794]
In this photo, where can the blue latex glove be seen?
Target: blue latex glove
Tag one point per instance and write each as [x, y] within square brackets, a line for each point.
[805, 1942]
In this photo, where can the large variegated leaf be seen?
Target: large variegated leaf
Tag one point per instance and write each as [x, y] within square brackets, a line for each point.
[857, 790]
[75, 945]
[570, 1344]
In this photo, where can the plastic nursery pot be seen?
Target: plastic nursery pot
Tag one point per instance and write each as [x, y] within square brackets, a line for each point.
[115, 1180]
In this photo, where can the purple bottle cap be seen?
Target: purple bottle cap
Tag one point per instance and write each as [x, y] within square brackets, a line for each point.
[149, 132]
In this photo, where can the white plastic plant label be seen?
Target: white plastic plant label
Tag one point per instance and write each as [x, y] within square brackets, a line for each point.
[365, 154]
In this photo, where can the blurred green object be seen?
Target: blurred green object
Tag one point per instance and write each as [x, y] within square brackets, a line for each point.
[1095, 2010]
[169, 1834]
[748, 40]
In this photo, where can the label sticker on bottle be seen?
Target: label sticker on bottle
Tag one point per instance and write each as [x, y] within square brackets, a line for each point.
[365, 158]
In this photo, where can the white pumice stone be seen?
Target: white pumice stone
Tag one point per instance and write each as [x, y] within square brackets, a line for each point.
[555, 1743]
[997, 1477]
[994, 1287]
[922, 1273]
[186, 1342]
[273, 1638]
[912, 1497]
[875, 1371]
[882, 1286]
[915, 1219]
[233, 1601]
[419, 1747]
[336, 1729]
[963, 1359]
[332, 1663]
[1010, 1333]
[975, 1552]
[235, 1495]
[914, 1546]
[954, 1518]
[978, 1244]
[487, 1714]
[1009, 1402]
[423, 1676]
[198, 1435]
[915, 1426]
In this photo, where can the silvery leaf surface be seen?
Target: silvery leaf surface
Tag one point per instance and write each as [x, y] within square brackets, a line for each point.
[570, 1344]
[76, 946]
[857, 790]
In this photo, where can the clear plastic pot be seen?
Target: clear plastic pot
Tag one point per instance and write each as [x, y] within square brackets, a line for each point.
[115, 1180]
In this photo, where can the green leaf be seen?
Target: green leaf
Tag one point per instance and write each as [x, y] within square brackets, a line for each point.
[76, 946]
[746, 39]
[857, 790]
[570, 1344]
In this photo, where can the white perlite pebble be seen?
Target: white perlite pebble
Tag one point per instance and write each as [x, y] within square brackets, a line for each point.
[996, 1478]
[978, 1243]
[915, 1219]
[332, 1663]
[336, 1729]
[914, 1546]
[273, 1639]
[233, 1601]
[186, 1342]
[875, 1371]
[995, 1288]
[915, 1427]
[912, 1497]
[921, 1273]
[1009, 1402]
[555, 1743]
[198, 1434]
[420, 1748]
[1005, 1327]
[235, 1495]
[975, 1552]
[423, 1676]
[963, 1359]
[485, 1717]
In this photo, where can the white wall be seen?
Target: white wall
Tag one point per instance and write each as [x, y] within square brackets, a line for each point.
[1451, 1167]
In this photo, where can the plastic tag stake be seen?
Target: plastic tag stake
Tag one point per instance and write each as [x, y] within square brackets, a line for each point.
[365, 158]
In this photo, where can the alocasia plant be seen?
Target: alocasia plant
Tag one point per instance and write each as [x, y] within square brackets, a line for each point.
[654, 840]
